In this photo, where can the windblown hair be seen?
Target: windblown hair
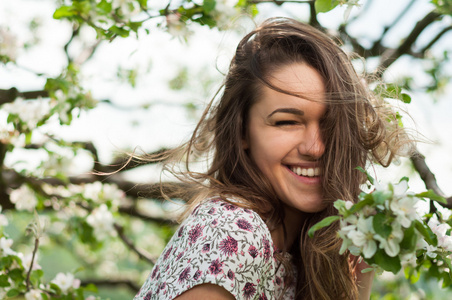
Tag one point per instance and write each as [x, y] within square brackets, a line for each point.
[356, 130]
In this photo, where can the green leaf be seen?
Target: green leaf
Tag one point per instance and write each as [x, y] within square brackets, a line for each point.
[381, 196]
[430, 194]
[358, 206]
[426, 232]
[119, 31]
[324, 223]
[91, 288]
[370, 178]
[406, 98]
[134, 26]
[322, 6]
[209, 5]
[380, 225]
[104, 6]
[4, 280]
[64, 12]
[409, 239]
[12, 293]
[386, 262]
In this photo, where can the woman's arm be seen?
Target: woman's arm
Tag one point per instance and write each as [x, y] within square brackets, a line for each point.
[206, 291]
[364, 280]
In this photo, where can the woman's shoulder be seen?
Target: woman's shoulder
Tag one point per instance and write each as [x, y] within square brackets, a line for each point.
[219, 243]
[215, 211]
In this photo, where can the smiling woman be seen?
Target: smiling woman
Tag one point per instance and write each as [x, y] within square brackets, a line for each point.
[292, 124]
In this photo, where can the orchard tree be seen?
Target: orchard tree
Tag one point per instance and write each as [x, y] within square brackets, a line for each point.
[110, 229]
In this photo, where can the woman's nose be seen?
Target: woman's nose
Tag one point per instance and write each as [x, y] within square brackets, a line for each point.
[312, 144]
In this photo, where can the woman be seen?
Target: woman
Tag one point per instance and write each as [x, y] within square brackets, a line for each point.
[292, 124]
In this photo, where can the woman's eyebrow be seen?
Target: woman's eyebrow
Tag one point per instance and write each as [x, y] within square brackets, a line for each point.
[293, 111]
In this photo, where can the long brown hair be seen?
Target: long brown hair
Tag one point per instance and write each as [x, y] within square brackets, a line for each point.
[356, 129]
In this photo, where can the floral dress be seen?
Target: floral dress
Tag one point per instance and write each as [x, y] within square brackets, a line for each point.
[222, 244]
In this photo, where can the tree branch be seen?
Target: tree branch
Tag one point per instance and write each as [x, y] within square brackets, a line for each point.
[435, 39]
[141, 253]
[377, 44]
[8, 96]
[428, 177]
[391, 55]
[313, 16]
[111, 283]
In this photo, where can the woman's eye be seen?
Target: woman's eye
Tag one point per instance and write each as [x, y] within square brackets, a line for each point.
[286, 122]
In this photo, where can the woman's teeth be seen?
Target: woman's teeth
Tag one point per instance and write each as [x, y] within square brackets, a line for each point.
[308, 172]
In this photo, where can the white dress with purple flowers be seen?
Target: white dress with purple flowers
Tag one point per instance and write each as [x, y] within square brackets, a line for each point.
[222, 244]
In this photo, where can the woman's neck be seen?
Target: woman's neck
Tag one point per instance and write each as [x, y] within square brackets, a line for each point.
[293, 221]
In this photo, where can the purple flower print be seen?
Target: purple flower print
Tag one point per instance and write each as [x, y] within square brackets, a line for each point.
[194, 233]
[228, 246]
[179, 255]
[155, 271]
[214, 222]
[252, 251]
[162, 286]
[212, 211]
[180, 231]
[167, 253]
[148, 296]
[249, 290]
[230, 207]
[244, 224]
[197, 275]
[278, 280]
[262, 297]
[267, 252]
[184, 275]
[206, 248]
[216, 267]
[231, 275]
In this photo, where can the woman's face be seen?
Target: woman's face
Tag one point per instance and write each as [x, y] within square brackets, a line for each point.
[284, 137]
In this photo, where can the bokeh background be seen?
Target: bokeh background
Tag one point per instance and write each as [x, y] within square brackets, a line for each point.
[84, 83]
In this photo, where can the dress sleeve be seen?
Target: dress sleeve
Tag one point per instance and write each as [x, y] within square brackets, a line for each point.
[218, 243]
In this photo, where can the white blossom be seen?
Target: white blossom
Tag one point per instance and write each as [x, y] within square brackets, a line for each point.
[224, 13]
[33, 295]
[126, 7]
[24, 198]
[405, 209]
[8, 44]
[391, 245]
[100, 193]
[176, 27]
[26, 261]
[29, 112]
[5, 246]
[349, 8]
[3, 219]
[101, 219]
[440, 230]
[66, 281]
[363, 237]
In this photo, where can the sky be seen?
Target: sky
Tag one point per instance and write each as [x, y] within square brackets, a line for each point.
[158, 58]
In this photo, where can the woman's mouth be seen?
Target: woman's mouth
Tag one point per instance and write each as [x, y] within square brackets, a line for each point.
[306, 172]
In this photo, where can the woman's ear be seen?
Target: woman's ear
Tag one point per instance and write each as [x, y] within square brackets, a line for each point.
[245, 143]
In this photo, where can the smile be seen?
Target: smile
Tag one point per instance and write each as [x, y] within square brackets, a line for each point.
[307, 172]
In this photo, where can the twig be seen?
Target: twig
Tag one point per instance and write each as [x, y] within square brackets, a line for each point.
[428, 177]
[313, 16]
[391, 55]
[143, 255]
[377, 44]
[435, 39]
[8, 96]
[32, 262]
[111, 282]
